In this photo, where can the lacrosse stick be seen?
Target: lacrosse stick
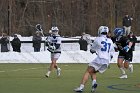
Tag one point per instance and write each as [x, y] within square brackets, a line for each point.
[39, 29]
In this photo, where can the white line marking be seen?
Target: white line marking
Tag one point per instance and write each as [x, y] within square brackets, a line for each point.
[20, 70]
[2, 71]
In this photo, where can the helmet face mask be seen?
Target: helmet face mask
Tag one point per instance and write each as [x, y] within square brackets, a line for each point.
[54, 30]
[103, 30]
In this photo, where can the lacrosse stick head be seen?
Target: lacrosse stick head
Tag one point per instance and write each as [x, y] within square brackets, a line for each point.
[38, 27]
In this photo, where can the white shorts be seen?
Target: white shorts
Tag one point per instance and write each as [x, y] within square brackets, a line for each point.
[55, 56]
[99, 64]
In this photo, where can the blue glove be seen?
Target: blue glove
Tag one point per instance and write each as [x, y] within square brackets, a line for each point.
[126, 48]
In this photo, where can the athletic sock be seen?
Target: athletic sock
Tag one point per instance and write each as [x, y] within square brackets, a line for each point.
[81, 86]
[130, 65]
[122, 70]
[48, 73]
[93, 81]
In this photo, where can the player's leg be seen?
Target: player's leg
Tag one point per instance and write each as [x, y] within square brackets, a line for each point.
[121, 67]
[131, 68]
[101, 68]
[91, 71]
[50, 69]
[54, 58]
[94, 82]
[96, 67]
[58, 69]
[84, 80]
[120, 64]
[130, 64]
[126, 64]
[51, 66]
[128, 58]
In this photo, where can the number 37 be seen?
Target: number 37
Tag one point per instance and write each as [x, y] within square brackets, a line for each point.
[106, 46]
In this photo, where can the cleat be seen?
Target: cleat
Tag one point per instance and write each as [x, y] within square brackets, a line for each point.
[58, 72]
[46, 76]
[131, 68]
[94, 87]
[123, 76]
[78, 89]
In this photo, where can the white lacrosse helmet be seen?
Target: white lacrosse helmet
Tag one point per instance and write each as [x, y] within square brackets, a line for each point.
[54, 29]
[103, 29]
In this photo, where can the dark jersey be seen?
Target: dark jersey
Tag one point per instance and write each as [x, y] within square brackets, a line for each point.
[121, 42]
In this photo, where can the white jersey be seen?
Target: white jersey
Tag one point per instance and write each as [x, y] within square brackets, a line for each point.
[55, 40]
[104, 47]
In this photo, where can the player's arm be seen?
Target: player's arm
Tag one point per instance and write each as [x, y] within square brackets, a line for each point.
[48, 41]
[112, 50]
[127, 47]
[94, 46]
[115, 47]
[57, 46]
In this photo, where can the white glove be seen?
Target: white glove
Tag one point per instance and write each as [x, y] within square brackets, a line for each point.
[92, 51]
[52, 47]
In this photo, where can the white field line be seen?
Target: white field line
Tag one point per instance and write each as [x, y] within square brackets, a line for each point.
[20, 70]
[2, 71]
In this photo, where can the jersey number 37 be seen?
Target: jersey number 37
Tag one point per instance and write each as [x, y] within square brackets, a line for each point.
[106, 46]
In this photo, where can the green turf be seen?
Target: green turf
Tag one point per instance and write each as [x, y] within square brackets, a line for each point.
[29, 78]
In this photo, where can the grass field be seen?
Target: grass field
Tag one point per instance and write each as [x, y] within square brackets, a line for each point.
[29, 78]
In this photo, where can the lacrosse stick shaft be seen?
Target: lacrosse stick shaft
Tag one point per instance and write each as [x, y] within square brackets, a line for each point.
[44, 40]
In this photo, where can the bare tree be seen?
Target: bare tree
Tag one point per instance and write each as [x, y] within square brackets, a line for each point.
[71, 16]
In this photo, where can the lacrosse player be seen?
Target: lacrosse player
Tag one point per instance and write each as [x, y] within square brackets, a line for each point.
[124, 46]
[54, 46]
[104, 48]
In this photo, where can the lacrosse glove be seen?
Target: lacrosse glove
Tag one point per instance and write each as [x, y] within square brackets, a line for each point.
[126, 48]
[92, 51]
